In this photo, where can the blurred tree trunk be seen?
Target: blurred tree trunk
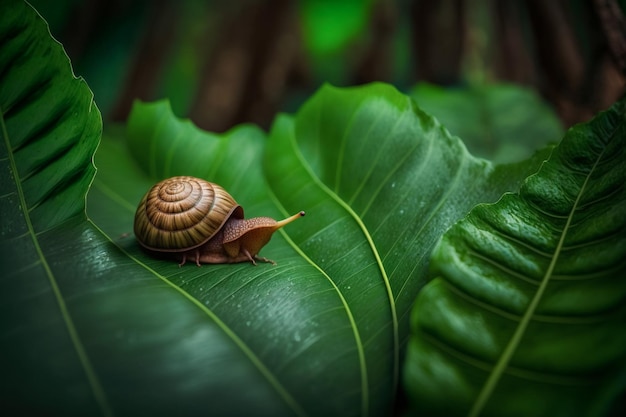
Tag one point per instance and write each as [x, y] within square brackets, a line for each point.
[576, 61]
[513, 56]
[150, 59]
[439, 36]
[376, 62]
[246, 73]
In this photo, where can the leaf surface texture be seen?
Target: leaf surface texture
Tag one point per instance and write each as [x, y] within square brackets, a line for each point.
[527, 313]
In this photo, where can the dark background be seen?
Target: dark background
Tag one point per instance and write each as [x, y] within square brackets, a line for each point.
[222, 63]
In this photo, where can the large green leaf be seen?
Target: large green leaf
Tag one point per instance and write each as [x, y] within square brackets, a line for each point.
[286, 324]
[39, 101]
[527, 315]
[49, 130]
[386, 179]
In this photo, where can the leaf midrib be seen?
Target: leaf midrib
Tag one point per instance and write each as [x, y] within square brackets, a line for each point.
[396, 342]
[355, 330]
[503, 362]
[92, 378]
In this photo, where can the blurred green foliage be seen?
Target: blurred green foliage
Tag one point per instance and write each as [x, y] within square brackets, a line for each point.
[329, 26]
[501, 122]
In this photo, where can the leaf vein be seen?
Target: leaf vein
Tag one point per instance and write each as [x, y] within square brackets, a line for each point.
[503, 361]
[355, 330]
[83, 358]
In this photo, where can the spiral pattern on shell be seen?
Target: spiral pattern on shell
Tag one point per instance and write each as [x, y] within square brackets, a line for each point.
[182, 213]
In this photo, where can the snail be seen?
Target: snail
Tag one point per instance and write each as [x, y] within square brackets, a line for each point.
[193, 218]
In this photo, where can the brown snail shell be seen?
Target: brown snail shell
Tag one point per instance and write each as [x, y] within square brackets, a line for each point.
[182, 213]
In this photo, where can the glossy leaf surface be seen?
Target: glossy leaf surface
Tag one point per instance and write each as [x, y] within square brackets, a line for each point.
[382, 172]
[527, 314]
[91, 325]
[286, 324]
[49, 130]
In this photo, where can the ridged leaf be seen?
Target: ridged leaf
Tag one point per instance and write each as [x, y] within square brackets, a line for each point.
[50, 125]
[527, 313]
[49, 130]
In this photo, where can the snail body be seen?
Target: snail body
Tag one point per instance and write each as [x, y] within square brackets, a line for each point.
[193, 218]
